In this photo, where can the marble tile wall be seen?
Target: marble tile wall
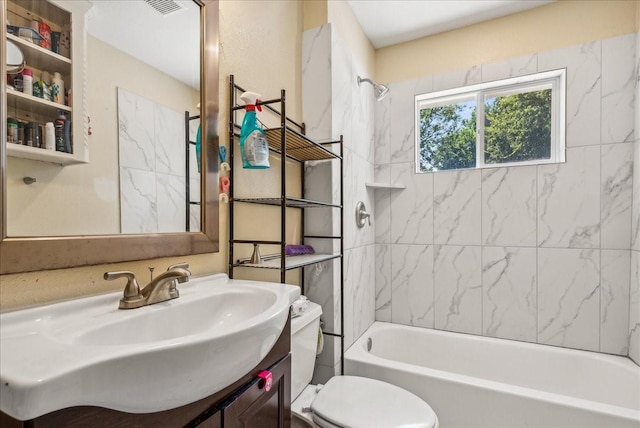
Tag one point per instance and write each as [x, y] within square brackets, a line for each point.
[532, 253]
[634, 299]
[152, 167]
[334, 105]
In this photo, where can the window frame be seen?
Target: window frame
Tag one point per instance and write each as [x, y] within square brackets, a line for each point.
[554, 80]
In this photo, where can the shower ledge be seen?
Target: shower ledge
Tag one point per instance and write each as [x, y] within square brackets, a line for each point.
[378, 185]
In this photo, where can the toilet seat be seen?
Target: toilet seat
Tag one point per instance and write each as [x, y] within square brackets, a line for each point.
[353, 401]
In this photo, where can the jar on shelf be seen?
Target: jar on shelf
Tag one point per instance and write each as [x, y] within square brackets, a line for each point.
[45, 32]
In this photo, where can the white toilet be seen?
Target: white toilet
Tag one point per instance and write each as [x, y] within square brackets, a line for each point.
[346, 401]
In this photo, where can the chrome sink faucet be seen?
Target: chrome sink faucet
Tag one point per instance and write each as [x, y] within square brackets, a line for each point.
[161, 288]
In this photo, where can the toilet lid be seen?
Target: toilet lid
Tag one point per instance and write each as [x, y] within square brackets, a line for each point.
[352, 401]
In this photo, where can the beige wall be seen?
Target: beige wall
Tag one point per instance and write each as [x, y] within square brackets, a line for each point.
[341, 17]
[84, 199]
[314, 13]
[563, 23]
[264, 55]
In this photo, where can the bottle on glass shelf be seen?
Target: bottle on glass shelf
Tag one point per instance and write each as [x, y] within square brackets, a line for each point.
[37, 85]
[46, 86]
[49, 136]
[57, 88]
[27, 81]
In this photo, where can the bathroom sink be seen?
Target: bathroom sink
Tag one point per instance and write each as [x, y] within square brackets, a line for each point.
[158, 357]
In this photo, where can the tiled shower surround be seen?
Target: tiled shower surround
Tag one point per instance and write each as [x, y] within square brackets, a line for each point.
[533, 253]
[151, 139]
[334, 105]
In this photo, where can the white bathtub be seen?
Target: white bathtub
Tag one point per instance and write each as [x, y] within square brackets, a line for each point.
[474, 381]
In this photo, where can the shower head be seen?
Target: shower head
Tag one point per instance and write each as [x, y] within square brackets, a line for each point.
[381, 91]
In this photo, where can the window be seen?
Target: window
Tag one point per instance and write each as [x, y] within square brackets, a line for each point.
[518, 121]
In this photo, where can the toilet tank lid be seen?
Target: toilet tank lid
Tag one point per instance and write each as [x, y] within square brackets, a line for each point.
[312, 313]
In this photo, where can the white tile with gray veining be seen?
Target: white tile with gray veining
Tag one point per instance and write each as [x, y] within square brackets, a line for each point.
[138, 209]
[457, 78]
[412, 285]
[316, 81]
[614, 301]
[382, 205]
[342, 97]
[509, 290]
[457, 272]
[382, 128]
[322, 372]
[634, 308]
[136, 131]
[509, 206]
[193, 164]
[363, 116]
[411, 208]
[583, 89]
[512, 67]
[569, 201]
[355, 190]
[320, 288]
[402, 117]
[618, 84]
[456, 207]
[317, 175]
[359, 294]
[616, 178]
[330, 352]
[635, 204]
[569, 297]
[170, 141]
[194, 190]
[171, 203]
[383, 282]
[194, 218]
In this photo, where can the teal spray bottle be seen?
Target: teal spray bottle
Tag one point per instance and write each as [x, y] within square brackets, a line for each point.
[253, 142]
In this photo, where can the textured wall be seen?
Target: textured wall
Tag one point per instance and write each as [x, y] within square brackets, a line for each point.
[534, 253]
[558, 24]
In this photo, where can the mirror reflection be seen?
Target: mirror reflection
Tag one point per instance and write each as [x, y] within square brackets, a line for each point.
[139, 117]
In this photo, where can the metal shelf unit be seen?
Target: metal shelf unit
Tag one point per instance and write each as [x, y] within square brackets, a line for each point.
[290, 143]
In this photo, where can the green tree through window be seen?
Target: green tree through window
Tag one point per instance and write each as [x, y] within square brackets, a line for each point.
[447, 138]
[517, 124]
[518, 127]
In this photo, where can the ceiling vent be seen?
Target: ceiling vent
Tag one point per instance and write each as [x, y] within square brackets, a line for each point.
[164, 7]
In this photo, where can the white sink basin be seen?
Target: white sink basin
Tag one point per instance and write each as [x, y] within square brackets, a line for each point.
[88, 352]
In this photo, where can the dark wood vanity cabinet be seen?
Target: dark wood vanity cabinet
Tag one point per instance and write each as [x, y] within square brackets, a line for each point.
[245, 404]
[253, 407]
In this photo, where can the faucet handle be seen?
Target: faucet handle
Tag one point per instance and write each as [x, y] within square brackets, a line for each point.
[183, 265]
[132, 295]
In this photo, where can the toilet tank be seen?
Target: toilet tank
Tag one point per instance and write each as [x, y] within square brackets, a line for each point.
[304, 343]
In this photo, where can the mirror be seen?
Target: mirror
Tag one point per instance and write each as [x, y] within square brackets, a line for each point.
[21, 252]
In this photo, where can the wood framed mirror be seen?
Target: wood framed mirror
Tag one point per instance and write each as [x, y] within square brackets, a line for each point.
[33, 253]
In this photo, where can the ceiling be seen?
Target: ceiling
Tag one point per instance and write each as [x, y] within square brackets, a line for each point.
[169, 43]
[388, 22]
